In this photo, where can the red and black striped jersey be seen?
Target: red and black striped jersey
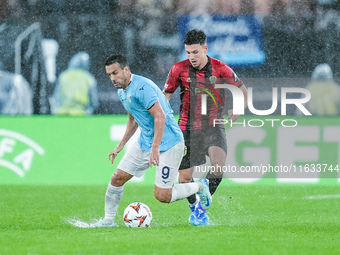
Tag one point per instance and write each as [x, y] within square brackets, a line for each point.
[193, 84]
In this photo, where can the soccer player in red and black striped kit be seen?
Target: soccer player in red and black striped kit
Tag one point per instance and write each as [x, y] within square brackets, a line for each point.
[197, 76]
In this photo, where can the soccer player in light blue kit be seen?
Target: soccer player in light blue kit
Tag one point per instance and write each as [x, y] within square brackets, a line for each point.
[160, 143]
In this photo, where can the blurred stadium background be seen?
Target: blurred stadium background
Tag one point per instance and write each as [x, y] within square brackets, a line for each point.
[296, 36]
[53, 168]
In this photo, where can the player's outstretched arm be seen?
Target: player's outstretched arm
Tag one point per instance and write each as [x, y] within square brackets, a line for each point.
[159, 123]
[131, 128]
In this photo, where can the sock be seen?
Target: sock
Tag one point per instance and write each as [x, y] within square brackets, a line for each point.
[192, 199]
[214, 181]
[183, 190]
[112, 198]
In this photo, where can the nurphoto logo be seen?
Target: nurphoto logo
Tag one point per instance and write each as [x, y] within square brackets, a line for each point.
[239, 104]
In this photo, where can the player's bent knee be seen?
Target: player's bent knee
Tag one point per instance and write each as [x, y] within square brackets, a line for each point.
[119, 178]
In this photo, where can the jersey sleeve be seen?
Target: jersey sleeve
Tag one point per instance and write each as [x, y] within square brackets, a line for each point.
[147, 95]
[230, 76]
[172, 81]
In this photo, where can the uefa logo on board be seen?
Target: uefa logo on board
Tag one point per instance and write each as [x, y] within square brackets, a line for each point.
[17, 152]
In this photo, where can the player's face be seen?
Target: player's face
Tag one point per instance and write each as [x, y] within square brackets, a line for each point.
[119, 77]
[197, 54]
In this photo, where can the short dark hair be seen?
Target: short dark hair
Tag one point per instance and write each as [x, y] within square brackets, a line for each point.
[120, 59]
[195, 36]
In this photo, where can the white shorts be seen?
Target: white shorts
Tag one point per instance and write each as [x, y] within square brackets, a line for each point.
[136, 162]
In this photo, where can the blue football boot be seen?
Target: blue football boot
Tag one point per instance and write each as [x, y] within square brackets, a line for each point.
[204, 194]
[199, 216]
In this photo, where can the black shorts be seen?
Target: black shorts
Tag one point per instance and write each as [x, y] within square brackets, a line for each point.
[197, 143]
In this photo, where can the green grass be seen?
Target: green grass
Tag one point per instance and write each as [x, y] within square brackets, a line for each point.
[246, 219]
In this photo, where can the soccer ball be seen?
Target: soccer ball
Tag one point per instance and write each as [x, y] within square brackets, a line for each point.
[137, 215]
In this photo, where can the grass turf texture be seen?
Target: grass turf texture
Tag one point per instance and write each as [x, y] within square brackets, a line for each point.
[246, 219]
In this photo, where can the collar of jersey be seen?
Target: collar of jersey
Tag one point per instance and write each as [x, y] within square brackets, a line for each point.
[129, 82]
[204, 68]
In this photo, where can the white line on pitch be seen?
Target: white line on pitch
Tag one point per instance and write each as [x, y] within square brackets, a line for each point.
[324, 196]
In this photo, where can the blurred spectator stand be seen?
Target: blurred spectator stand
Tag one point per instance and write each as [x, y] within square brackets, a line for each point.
[76, 90]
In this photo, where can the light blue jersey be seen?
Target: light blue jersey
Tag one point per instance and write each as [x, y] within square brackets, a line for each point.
[139, 96]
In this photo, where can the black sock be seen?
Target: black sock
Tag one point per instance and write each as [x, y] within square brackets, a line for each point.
[192, 199]
[213, 182]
